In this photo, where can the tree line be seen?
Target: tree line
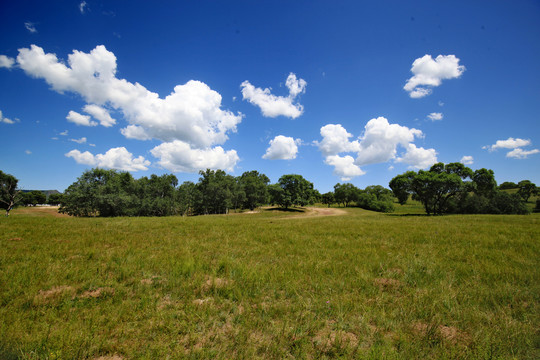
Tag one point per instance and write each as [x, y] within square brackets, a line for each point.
[450, 188]
[455, 188]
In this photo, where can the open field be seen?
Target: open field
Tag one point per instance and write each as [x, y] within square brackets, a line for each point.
[356, 285]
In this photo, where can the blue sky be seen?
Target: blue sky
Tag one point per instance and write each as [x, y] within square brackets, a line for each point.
[357, 91]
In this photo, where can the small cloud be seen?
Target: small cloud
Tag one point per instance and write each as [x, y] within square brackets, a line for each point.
[82, 7]
[509, 143]
[30, 27]
[28, 152]
[79, 141]
[6, 62]
[64, 133]
[467, 160]
[390, 168]
[5, 120]
[80, 119]
[440, 103]
[117, 35]
[93, 145]
[429, 73]
[521, 154]
[282, 148]
[54, 138]
[435, 116]
[272, 105]
[234, 98]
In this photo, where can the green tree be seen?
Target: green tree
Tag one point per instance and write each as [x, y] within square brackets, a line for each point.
[484, 183]
[55, 199]
[188, 196]
[255, 188]
[525, 189]
[508, 185]
[401, 186]
[346, 193]
[217, 192]
[328, 198]
[9, 194]
[292, 190]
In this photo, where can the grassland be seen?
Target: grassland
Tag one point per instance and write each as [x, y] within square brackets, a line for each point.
[361, 285]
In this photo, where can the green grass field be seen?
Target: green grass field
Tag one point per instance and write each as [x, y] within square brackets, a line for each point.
[274, 285]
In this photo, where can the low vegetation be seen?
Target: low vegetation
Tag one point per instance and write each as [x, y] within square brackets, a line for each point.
[270, 284]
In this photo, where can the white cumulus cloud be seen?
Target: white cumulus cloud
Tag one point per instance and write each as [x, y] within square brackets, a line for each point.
[418, 158]
[379, 143]
[467, 160]
[80, 119]
[344, 166]
[336, 140]
[180, 156]
[380, 140]
[116, 158]
[135, 132]
[82, 7]
[434, 116]
[79, 141]
[509, 143]
[100, 114]
[521, 154]
[282, 148]
[191, 113]
[6, 62]
[429, 73]
[272, 105]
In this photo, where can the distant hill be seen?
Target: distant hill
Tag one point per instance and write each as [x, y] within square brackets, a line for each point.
[46, 192]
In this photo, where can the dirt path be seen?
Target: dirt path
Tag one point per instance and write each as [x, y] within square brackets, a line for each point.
[316, 212]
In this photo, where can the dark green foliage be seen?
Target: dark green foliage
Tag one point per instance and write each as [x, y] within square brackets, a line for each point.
[346, 193]
[254, 186]
[508, 185]
[32, 198]
[217, 191]
[525, 189]
[292, 190]
[442, 190]
[9, 195]
[376, 198]
[55, 199]
[484, 183]
[537, 207]
[328, 198]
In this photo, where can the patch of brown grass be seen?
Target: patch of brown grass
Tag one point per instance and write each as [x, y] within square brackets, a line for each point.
[99, 292]
[328, 338]
[447, 333]
[53, 294]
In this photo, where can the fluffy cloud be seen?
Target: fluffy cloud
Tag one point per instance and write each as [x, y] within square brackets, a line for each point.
[380, 140]
[521, 154]
[6, 62]
[282, 148]
[180, 156]
[418, 158]
[516, 145]
[116, 158]
[272, 105]
[509, 143]
[336, 140]
[79, 119]
[100, 114]
[5, 120]
[30, 27]
[467, 160]
[429, 73]
[79, 141]
[191, 113]
[434, 116]
[378, 144]
[344, 166]
[135, 132]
